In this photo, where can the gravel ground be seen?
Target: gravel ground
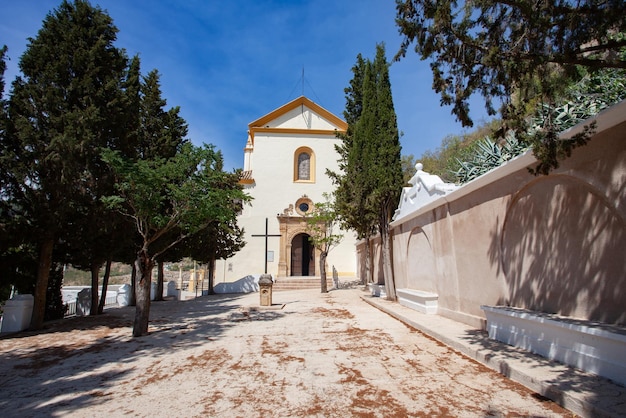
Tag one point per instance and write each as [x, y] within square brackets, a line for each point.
[310, 354]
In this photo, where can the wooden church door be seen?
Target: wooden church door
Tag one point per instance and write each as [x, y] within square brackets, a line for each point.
[302, 256]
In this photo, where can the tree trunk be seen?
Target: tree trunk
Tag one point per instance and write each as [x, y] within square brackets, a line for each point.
[323, 255]
[95, 271]
[159, 286]
[132, 301]
[390, 285]
[369, 275]
[105, 284]
[211, 276]
[142, 310]
[41, 285]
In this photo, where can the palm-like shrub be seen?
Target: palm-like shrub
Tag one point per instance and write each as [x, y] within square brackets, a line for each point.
[489, 155]
[583, 100]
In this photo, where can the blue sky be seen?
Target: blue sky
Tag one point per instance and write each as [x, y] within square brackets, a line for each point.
[227, 63]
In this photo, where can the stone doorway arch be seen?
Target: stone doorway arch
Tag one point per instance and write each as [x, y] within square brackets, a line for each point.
[291, 226]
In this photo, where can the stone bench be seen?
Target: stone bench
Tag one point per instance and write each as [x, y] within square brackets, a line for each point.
[591, 346]
[419, 300]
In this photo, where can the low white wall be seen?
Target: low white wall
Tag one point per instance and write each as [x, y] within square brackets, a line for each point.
[597, 348]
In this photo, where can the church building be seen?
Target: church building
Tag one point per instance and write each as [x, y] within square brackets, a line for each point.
[285, 160]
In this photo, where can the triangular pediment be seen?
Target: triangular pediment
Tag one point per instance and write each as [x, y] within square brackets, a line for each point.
[299, 116]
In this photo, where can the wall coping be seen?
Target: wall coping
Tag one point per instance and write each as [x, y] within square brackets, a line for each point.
[605, 120]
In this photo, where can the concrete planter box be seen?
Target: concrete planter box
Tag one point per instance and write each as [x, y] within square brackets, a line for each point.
[591, 346]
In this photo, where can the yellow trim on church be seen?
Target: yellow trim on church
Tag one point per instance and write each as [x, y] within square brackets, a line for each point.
[297, 131]
[259, 124]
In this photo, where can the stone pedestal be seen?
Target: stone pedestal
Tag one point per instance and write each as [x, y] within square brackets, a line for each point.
[265, 289]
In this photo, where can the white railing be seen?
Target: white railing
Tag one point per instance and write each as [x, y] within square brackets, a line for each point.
[111, 300]
[71, 309]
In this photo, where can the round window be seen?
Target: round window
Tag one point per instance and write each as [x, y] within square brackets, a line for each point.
[304, 206]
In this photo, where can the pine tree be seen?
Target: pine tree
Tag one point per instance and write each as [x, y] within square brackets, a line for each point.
[519, 56]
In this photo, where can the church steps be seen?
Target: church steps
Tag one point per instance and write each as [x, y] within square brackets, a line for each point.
[297, 283]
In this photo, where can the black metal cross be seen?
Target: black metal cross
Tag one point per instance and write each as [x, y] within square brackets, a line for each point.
[266, 235]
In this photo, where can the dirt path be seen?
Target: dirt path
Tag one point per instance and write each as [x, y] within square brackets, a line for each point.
[320, 355]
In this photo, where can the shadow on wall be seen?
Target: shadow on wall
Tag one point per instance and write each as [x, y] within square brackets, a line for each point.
[561, 250]
[246, 284]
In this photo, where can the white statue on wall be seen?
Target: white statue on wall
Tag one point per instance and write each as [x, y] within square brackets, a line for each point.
[424, 189]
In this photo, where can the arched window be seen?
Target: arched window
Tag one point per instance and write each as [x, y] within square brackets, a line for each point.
[304, 165]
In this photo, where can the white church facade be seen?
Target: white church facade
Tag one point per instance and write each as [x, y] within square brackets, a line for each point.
[286, 157]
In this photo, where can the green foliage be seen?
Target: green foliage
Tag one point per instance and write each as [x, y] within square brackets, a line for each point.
[376, 143]
[495, 47]
[3, 109]
[463, 158]
[446, 160]
[169, 199]
[580, 101]
[220, 239]
[408, 168]
[160, 131]
[55, 308]
[62, 111]
[64, 108]
[368, 189]
[79, 98]
[18, 266]
[323, 225]
[488, 155]
[182, 193]
[371, 177]
[350, 197]
[521, 55]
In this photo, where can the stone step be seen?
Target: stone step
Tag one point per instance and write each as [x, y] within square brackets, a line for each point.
[297, 283]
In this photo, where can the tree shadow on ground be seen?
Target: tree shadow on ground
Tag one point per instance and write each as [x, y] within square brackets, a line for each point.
[57, 369]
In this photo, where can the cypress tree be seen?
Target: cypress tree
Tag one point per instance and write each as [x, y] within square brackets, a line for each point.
[368, 189]
[383, 159]
[161, 132]
[63, 110]
[350, 200]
